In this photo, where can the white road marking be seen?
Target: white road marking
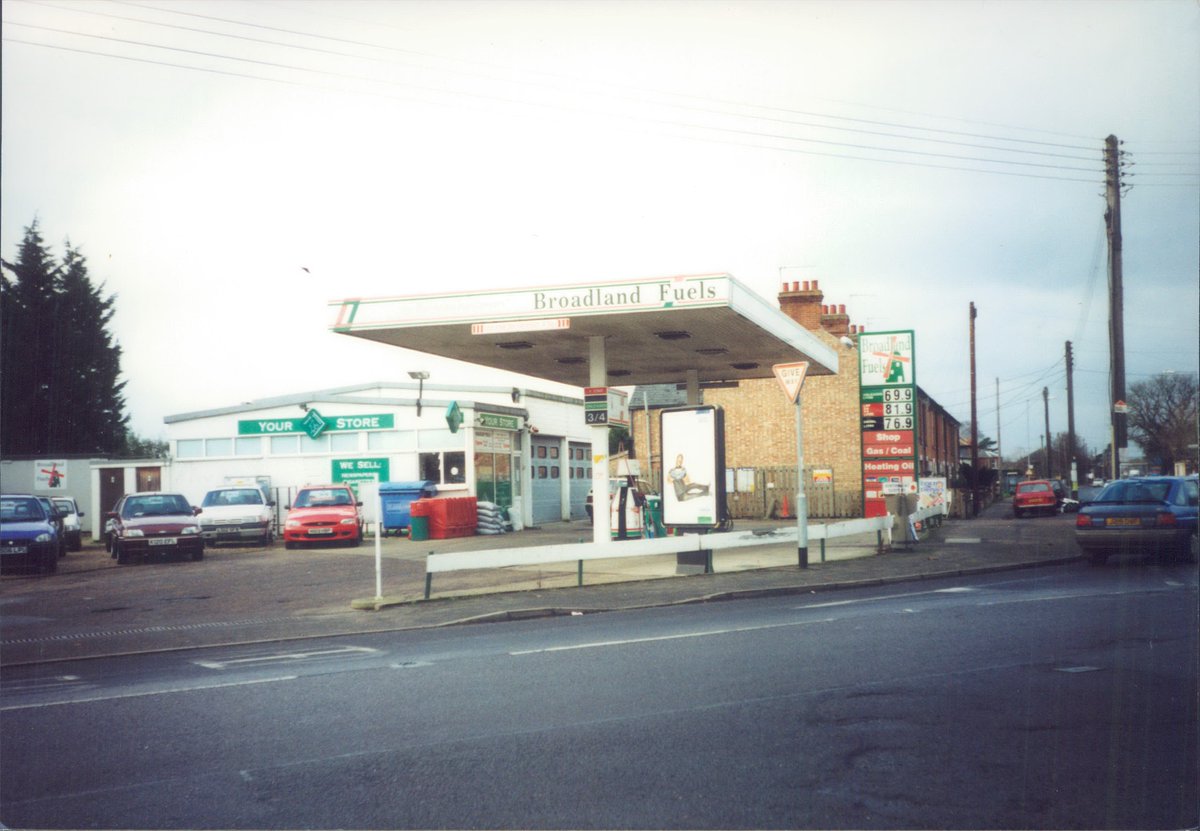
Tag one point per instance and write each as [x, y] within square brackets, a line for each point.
[148, 693]
[885, 597]
[286, 656]
[704, 634]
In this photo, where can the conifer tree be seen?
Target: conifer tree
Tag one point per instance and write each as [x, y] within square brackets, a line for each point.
[60, 387]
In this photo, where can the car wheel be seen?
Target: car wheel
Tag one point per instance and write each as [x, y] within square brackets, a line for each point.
[289, 545]
[121, 557]
[198, 555]
[1018, 513]
[1097, 558]
[50, 565]
[76, 545]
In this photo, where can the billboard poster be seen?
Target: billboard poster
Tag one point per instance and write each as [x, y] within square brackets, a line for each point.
[692, 443]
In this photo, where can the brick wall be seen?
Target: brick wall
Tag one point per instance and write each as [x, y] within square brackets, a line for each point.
[760, 423]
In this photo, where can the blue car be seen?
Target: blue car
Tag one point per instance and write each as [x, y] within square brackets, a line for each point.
[1142, 515]
[28, 536]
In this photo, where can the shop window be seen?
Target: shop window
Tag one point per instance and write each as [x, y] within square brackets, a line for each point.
[248, 446]
[554, 452]
[285, 445]
[344, 442]
[390, 440]
[541, 451]
[189, 448]
[218, 447]
[449, 468]
[554, 473]
[541, 472]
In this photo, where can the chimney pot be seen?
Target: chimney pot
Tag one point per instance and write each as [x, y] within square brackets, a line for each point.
[814, 285]
[841, 308]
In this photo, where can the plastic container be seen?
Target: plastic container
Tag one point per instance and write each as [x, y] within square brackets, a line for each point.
[418, 528]
[397, 499]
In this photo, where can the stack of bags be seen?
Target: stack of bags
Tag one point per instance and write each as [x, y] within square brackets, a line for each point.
[490, 518]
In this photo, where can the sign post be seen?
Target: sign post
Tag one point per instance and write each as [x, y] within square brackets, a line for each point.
[791, 377]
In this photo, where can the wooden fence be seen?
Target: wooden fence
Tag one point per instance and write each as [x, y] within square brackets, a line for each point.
[764, 490]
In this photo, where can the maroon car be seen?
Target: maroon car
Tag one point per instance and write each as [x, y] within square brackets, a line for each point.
[154, 524]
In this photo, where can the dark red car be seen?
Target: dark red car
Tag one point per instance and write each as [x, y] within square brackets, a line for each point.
[154, 524]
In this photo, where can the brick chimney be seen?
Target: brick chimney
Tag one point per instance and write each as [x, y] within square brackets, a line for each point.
[834, 320]
[802, 303]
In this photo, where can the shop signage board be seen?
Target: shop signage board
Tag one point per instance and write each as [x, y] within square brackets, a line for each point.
[492, 421]
[888, 416]
[314, 424]
[354, 471]
[50, 474]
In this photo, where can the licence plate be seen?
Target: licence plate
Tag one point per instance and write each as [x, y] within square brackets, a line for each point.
[164, 541]
[1122, 521]
[319, 531]
[14, 549]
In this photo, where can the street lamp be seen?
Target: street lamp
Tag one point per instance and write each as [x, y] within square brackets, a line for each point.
[420, 377]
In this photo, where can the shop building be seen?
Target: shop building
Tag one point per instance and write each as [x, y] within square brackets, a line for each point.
[524, 449]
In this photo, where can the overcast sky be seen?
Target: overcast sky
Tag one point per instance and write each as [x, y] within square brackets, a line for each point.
[229, 167]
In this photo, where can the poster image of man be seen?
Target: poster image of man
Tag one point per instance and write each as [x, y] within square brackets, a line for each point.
[684, 487]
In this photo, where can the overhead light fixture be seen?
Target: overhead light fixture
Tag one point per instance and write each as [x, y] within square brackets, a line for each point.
[515, 344]
[745, 365]
[673, 335]
[571, 361]
[419, 376]
[619, 373]
[713, 350]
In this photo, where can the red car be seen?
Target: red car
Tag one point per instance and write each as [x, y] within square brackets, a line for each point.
[1034, 496]
[324, 513]
[151, 524]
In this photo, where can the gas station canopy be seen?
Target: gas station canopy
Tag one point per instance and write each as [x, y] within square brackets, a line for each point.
[653, 330]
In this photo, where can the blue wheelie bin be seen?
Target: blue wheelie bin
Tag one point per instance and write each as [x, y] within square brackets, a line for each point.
[397, 499]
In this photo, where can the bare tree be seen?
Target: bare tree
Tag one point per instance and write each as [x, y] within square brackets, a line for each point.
[1163, 417]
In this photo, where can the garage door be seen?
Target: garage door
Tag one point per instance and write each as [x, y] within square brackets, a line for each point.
[546, 471]
[580, 462]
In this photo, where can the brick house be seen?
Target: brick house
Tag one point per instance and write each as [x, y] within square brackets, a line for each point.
[760, 423]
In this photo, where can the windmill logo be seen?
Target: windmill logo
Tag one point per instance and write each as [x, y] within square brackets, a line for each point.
[894, 361]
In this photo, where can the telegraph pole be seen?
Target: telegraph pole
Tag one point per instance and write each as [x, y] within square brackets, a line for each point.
[999, 452]
[1046, 405]
[1072, 472]
[1116, 303]
[974, 426]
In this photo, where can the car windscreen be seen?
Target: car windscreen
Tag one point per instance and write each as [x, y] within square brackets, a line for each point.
[158, 505]
[21, 510]
[65, 505]
[321, 497]
[1034, 487]
[232, 496]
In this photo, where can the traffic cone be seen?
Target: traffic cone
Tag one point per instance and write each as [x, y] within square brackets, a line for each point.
[785, 512]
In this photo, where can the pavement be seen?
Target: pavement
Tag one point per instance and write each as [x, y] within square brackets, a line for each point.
[94, 608]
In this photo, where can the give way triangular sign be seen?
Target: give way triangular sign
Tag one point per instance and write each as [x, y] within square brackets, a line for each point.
[791, 376]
